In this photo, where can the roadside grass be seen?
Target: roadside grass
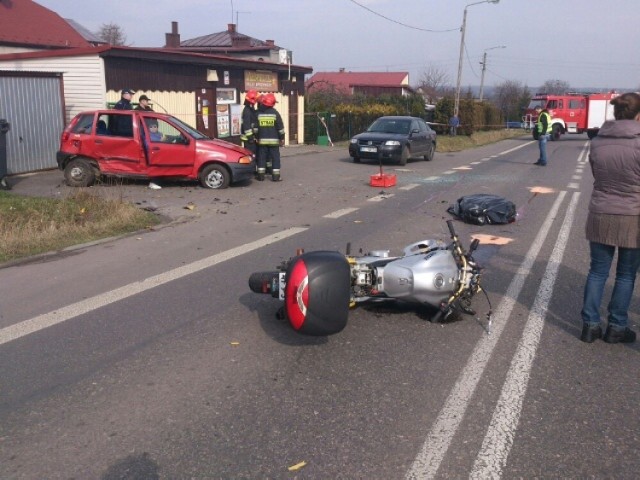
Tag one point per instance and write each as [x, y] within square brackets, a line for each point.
[31, 225]
[458, 143]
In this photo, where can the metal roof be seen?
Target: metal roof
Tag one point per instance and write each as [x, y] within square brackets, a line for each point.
[85, 32]
[229, 39]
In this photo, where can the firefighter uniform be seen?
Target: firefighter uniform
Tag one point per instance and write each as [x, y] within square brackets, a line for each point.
[249, 122]
[270, 135]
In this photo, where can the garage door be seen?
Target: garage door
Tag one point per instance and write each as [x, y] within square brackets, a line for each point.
[33, 107]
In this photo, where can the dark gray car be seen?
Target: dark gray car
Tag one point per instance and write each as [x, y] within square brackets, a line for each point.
[395, 138]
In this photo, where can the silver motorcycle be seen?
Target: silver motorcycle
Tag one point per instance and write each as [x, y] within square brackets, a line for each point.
[318, 288]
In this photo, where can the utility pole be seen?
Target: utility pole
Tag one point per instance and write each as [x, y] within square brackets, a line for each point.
[484, 67]
[456, 105]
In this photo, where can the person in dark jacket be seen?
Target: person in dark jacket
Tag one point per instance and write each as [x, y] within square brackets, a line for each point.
[614, 221]
[125, 100]
[121, 125]
[270, 135]
[143, 104]
[249, 122]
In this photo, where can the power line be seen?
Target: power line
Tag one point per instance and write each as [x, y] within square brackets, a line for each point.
[469, 60]
[404, 24]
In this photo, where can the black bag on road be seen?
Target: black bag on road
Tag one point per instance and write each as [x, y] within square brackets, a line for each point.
[481, 209]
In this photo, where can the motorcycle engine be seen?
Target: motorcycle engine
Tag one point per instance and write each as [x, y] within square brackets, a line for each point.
[429, 278]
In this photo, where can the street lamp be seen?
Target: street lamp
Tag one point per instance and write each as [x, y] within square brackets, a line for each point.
[456, 106]
[484, 67]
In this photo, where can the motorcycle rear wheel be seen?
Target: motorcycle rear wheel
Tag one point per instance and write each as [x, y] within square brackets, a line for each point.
[261, 282]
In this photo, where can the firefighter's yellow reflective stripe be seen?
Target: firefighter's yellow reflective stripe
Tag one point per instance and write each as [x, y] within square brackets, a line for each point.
[266, 120]
[268, 141]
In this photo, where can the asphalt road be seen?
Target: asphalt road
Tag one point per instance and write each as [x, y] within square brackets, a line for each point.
[148, 356]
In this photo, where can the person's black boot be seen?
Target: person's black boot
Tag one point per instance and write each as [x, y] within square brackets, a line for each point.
[619, 335]
[260, 177]
[590, 333]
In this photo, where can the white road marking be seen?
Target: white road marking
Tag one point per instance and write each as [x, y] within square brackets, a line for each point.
[46, 320]
[430, 179]
[340, 213]
[427, 462]
[409, 186]
[449, 172]
[584, 154]
[379, 198]
[514, 149]
[573, 185]
[576, 177]
[499, 438]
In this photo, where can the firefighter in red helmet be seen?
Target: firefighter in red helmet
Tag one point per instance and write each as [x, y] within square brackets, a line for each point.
[249, 122]
[270, 135]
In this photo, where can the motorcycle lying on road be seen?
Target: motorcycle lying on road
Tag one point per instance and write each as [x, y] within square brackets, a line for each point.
[318, 288]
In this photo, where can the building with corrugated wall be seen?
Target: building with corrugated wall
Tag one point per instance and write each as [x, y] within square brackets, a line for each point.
[206, 91]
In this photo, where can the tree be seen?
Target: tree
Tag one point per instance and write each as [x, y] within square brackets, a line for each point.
[555, 87]
[511, 98]
[112, 34]
[434, 84]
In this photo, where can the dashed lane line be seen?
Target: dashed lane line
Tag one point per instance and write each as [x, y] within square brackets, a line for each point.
[379, 198]
[340, 213]
[63, 314]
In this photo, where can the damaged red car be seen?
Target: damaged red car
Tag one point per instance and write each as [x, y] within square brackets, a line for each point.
[144, 144]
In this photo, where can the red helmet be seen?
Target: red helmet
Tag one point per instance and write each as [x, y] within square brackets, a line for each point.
[269, 100]
[251, 96]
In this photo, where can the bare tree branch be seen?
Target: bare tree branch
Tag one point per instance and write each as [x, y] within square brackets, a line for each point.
[435, 84]
[112, 34]
[555, 87]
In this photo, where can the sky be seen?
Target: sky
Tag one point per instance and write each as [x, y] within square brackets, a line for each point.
[586, 43]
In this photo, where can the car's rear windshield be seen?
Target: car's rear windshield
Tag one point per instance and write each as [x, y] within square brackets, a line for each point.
[390, 126]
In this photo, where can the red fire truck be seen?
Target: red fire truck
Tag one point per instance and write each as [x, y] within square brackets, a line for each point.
[571, 112]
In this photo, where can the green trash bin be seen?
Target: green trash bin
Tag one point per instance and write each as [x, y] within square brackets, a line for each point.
[323, 125]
